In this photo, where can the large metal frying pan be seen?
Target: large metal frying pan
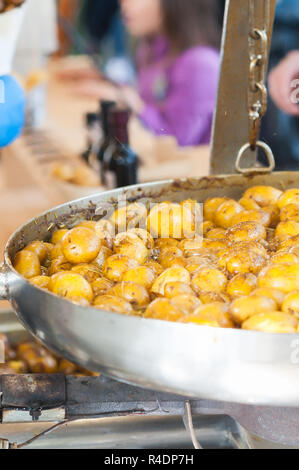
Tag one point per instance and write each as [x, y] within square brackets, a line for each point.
[217, 364]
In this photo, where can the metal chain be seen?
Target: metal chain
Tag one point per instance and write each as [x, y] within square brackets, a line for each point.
[258, 53]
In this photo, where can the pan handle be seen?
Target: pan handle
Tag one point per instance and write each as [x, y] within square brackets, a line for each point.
[3, 282]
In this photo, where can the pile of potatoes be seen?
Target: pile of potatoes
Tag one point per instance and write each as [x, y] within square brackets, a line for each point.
[234, 264]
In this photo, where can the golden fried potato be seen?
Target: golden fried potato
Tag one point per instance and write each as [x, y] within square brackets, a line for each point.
[249, 204]
[216, 234]
[91, 224]
[291, 304]
[70, 285]
[214, 245]
[170, 256]
[161, 243]
[116, 266]
[163, 309]
[210, 315]
[207, 225]
[287, 230]
[170, 275]
[244, 259]
[246, 231]
[40, 249]
[289, 243]
[177, 288]
[131, 216]
[241, 284]
[58, 236]
[245, 307]
[111, 303]
[101, 286]
[104, 226]
[144, 236]
[260, 216]
[40, 281]
[281, 277]
[171, 220]
[274, 294]
[291, 196]
[191, 246]
[290, 212]
[134, 293]
[210, 207]
[212, 297]
[129, 244]
[271, 322]
[227, 212]
[58, 265]
[209, 279]
[27, 264]
[154, 266]
[187, 304]
[90, 272]
[104, 254]
[56, 252]
[66, 367]
[142, 275]
[19, 367]
[263, 195]
[81, 245]
[284, 257]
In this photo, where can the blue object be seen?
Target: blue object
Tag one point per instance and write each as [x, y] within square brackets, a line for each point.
[12, 110]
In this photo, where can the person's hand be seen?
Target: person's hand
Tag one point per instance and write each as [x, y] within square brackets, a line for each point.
[284, 84]
[77, 74]
[96, 89]
[130, 97]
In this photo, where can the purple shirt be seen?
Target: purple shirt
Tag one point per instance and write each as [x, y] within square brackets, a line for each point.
[179, 93]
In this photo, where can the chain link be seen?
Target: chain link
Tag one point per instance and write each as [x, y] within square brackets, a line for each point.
[258, 52]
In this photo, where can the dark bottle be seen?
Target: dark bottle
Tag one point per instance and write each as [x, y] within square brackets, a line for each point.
[93, 127]
[106, 107]
[123, 160]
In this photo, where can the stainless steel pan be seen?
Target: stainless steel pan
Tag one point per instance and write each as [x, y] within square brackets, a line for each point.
[216, 364]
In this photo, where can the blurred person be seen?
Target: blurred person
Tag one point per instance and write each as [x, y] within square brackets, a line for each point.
[280, 126]
[177, 66]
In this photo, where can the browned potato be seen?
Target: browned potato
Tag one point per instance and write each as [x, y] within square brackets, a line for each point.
[170, 275]
[248, 258]
[291, 304]
[131, 216]
[27, 264]
[209, 279]
[90, 272]
[281, 277]
[263, 195]
[212, 297]
[169, 253]
[248, 204]
[284, 257]
[291, 196]
[58, 265]
[111, 303]
[116, 266]
[57, 252]
[58, 236]
[71, 285]
[191, 246]
[210, 315]
[274, 294]
[40, 249]
[154, 266]
[210, 207]
[40, 281]
[246, 231]
[81, 245]
[163, 309]
[187, 304]
[245, 307]
[66, 367]
[130, 244]
[144, 236]
[287, 230]
[216, 234]
[161, 243]
[207, 226]
[177, 288]
[134, 293]
[103, 255]
[290, 212]
[241, 284]
[271, 322]
[91, 224]
[101, 286]
[142, 275]
[292, 242]
[171, 220]
[19, 367]
[227, 212]
[261, 217]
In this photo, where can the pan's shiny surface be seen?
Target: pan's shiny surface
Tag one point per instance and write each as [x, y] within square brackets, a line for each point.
[216, 364]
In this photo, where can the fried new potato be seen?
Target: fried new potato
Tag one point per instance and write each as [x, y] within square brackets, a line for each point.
[171, 220]
[207, 225]
[289, 243]
[177, 288]
[39, 360]
[187, 304]
[104, 254]
[91, 224]
[163, 309]
[245, 307]
[134, 293]
[40, 249]
[291, 304]
[241, 284]
[66, 367]
[287, 230]
[130, 244]
[144, 236]
[161, 243]
[263, 195]
[142, 275]
[216, 234]
[290, 212]
[170, 275]
[154, 266]
[227, 212]
[260, 216]
[284, 257]
[191, 246]
[212, 297]
[291, 196]
[271, 293]
[249, 204]
[56, 252]
[81, 245]
[210, 207]
[246, 231]
[209, 279]
[58, 236]
[171, 256]
[40, 281]
[111, 303]
[116, 266]
[58, 265]
[27, 264]
[70, 285]
[284, 277]
[105, 232]
[131, 216]
[214, 314]
[101, 286]
[19, 367]
[90, 272]
[246, 258]
[271, 322]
